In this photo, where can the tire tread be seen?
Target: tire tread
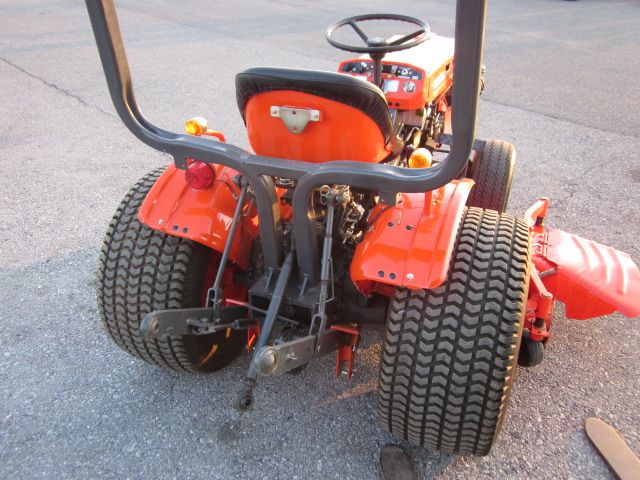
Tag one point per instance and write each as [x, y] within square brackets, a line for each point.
[142, 270]
[449, 353]
[492, 171]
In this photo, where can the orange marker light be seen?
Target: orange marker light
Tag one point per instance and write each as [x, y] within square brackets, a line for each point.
[196, 126]
[420, 158]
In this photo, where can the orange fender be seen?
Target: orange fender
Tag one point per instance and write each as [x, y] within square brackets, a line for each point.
[410, 245]
[204, 216]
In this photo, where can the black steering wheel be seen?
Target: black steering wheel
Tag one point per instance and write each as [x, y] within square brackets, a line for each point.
[378, 47]
[379, 44]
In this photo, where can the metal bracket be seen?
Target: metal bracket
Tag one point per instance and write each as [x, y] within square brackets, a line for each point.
[295, 119]
[345, 357]
[192, 321]
[389, 198]
[284, 357]
[447, 139]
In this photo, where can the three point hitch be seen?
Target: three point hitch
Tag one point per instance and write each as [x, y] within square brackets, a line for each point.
[278, 357]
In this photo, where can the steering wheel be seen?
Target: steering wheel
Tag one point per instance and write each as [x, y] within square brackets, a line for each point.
[378, 47]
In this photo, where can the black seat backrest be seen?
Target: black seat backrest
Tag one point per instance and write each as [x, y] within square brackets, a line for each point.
[355, 92]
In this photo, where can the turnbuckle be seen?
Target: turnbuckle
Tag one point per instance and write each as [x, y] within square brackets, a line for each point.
[331, 197]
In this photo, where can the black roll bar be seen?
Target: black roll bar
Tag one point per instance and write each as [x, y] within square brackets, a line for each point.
[258, 169]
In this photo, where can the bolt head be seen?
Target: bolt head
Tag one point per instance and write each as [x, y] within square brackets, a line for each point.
[267, 361]
[410, 276]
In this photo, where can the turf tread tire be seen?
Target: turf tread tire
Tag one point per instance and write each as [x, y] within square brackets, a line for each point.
[449, 353]
[492, 170]
[142, 270]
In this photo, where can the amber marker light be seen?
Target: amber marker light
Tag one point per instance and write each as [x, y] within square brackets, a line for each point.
[196, 126]
[420, 158]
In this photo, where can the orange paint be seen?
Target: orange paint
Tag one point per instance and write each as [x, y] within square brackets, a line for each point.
[204, 215]
[398, 99]
[410, 245]
[589, 278]
[343, 133]
[433, 59]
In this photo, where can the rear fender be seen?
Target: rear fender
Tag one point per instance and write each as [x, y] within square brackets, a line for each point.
[410, 245]
[204, 216]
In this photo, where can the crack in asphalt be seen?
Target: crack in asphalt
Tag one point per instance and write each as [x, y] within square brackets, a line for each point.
[297, 52]
[485, 99]
[572, 185]
[488, 100]
[57, 88]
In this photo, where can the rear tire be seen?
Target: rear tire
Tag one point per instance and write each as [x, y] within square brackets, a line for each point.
[492, 170]
[142, 270]
[450, 353]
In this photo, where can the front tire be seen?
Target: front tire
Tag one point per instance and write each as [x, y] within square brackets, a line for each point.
[142, 270]
[450, 353]
[492, 170]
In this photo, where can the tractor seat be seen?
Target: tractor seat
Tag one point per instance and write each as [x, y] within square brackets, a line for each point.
[315, 116]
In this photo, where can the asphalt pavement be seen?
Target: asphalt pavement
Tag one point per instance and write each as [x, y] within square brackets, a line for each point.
[561, 85]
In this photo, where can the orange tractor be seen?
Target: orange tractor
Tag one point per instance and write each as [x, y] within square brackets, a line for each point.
[366, 200]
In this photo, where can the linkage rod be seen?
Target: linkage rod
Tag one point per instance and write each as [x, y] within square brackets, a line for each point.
[272, 312]
[215, 292]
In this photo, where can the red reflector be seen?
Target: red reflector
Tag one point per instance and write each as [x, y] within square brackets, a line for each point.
[199, 175]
